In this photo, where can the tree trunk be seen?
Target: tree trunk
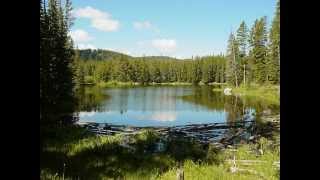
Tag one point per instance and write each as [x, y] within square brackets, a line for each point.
[235, 65]
[180, 173]
[244, 75]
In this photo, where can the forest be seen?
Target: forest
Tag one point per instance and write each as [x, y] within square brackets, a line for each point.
[253, 56]
[143, 70]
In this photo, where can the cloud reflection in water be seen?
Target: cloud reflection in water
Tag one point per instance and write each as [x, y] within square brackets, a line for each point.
[162, 116]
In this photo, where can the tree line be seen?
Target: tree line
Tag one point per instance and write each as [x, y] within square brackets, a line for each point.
[254, 56]
[143, 70]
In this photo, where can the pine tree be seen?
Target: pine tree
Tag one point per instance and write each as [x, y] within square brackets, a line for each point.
[145, 72]
[242, 39]
[205, 72]
[258, 43]
[233, 61]
[196, 71]
[274, 46]
[124, 70]
[56, 58]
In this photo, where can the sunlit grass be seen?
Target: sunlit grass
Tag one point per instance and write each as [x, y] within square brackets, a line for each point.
[102, 157]
[267, 93]
[116, 84]
[91, 143]
[264, 170]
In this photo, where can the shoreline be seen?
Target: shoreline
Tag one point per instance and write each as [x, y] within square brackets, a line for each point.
[266, 93]
[122, 84]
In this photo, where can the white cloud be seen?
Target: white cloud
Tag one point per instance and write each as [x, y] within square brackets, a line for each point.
[163, 117]
[89, 12]
[142, 25]
[124, 51]
[99, 19]
[89, 114]
[105, 24]
[80, 35]
[179, 57]
[86, 46]
[164, 45]
[141, 43]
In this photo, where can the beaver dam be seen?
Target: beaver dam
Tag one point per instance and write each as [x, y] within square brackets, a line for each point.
[220, 135]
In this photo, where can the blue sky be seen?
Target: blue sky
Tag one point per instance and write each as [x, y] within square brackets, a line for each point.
[178, 28]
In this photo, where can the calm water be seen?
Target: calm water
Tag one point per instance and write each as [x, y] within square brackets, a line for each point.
[164, 106]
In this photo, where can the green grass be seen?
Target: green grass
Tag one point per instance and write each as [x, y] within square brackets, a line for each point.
[203, 171]
[116, 84]
[217, 89]
[173, 83]
[130, 84]
[103, 157]
[267, 93]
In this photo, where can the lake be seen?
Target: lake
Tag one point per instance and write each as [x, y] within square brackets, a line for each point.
[145, 106]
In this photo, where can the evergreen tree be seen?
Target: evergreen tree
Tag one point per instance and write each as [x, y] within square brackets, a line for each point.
[258, 43]
[196, 71]
[233, 61]
[124, 70]
[274, 46]
[56, 70]
[242, 39]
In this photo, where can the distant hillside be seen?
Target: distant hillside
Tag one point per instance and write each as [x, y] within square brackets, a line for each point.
[101, 54]
[159, 58]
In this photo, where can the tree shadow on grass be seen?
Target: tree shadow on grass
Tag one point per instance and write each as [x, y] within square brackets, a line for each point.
[111, 159]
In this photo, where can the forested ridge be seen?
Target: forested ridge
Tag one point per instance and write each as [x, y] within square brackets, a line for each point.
[103, 54]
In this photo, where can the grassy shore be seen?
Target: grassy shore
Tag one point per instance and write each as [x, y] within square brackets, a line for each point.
[267, 93]
[262, 166]
[130, 84]
[105, 157]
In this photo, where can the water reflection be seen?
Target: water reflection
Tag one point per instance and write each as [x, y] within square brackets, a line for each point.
[84, 114]
[91, 99]
[165, 106]
[159, 116]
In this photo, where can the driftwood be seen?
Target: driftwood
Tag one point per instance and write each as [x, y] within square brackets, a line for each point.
[247, 161]
[235, 169]
[180, 172]
[261, 175]
[203, 133]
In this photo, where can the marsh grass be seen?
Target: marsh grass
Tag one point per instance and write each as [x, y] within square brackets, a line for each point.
[116, 84]
[94, 157]
[88, 156]
[132, 84]
[206, 171]
[267, 93]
